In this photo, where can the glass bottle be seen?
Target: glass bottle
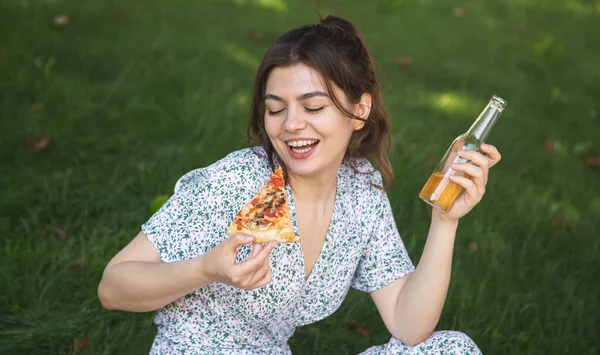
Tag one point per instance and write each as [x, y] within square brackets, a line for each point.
[439, 191]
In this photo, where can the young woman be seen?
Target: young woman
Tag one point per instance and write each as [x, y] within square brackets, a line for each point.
[317, 112]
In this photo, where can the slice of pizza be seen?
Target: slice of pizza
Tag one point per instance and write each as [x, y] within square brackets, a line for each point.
[266, 216]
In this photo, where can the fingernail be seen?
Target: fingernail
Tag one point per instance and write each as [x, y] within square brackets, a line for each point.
[454, 165]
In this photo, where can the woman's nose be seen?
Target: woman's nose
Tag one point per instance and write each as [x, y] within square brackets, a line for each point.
[294, 120]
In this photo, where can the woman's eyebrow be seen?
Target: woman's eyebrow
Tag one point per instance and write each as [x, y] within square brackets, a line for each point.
[273, 97]
[308, 95]
[311, 94]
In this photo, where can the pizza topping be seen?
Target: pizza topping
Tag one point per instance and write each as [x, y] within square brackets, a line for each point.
[267, 207]
[266, 216]
[258, 224]
[277, 182]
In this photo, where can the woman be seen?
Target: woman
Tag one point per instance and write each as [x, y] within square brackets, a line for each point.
[317, 112]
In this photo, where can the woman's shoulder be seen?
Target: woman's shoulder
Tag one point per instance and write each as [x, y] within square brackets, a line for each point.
[244, 166]
[361, 175]
[361, 192]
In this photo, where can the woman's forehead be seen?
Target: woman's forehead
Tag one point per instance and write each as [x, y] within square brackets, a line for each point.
[294, 81]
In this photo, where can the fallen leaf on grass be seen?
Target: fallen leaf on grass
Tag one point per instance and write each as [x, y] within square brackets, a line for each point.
[558, 223]
[562, 224]
[80, 344]
[458, 12]
[549, 145]
[473, 247]
[77, 262]
[61, 20]
[404, 62]
[359, 328]
[38, 145]
[116, 15]
[520, 30]
[256, 37]
[593, 161]
[433, 160]
[35, 107]
[61, 232]
[299, 328]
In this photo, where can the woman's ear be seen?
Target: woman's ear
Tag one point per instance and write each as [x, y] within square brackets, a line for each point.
[362, 110]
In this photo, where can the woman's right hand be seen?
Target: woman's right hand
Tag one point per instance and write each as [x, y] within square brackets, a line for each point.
[251, 273]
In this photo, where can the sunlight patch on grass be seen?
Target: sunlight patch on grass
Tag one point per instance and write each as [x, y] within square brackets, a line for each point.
[242, 99]
[583, 7]
[240, 55]
[453, 103]
[277, 5]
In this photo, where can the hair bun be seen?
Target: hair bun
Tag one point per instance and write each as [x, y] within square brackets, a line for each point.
[334, 21]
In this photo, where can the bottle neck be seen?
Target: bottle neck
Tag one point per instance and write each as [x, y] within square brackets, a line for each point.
[486, 120]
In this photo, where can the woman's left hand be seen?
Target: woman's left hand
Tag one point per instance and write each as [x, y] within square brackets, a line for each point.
[474, 182]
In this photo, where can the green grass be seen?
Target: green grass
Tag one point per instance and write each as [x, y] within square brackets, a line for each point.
[134, 94]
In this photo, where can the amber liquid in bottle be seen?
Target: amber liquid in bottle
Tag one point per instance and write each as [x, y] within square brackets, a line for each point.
[441, 192]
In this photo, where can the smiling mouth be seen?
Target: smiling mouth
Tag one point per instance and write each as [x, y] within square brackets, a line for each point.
[303, 146]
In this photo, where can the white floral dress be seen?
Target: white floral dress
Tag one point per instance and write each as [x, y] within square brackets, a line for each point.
[362, 249]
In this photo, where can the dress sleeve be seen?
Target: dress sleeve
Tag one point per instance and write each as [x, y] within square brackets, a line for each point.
[385, 258]
[194, 220]
[168, 228]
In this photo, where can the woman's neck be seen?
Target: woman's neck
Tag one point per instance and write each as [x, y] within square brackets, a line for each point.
[319, 189]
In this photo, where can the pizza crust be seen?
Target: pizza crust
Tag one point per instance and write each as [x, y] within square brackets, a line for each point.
[283, 235]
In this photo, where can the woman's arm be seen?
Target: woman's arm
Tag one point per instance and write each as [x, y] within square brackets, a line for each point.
[137, 280]
[411, 306]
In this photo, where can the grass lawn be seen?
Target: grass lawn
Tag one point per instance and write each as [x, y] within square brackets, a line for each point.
[131, 95]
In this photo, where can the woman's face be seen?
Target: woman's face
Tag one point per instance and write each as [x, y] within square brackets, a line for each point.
[307, 131]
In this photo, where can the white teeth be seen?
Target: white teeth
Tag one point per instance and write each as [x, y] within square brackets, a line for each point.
[301, 151]
[302, 143]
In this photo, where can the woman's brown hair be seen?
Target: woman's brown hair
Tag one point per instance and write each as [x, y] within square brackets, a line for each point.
[336, 50]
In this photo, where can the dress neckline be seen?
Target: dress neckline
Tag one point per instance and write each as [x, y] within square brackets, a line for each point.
[329, 236]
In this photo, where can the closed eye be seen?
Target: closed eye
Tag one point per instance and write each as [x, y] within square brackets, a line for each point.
[310, 110]
[275, 112]
[314, 110]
